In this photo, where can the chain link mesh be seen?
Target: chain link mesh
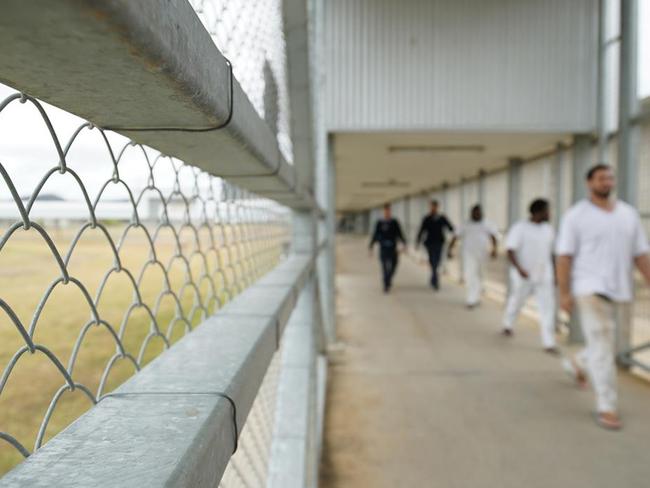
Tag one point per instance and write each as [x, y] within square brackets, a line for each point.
[250, 34]
[109, 253]
[249, 466]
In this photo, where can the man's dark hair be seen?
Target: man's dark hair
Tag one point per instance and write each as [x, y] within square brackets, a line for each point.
[538, 205]
[434, 202]
[386, 206]
[477, 207]
[596, 168]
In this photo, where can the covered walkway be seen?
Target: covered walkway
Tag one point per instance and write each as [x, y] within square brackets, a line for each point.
[423, 393]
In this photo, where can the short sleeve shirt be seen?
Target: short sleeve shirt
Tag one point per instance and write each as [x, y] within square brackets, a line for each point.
[476, 237]
[603, 245]
[532, 244]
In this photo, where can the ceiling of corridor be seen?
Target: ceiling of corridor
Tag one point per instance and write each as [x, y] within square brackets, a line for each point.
[372, 168]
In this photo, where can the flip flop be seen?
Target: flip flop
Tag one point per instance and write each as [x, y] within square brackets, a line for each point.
[605, 423]
[575, 372]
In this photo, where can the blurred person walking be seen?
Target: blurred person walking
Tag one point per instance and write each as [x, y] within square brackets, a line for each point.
[387, 233]
[432, 235]
[529, 245]
[476, 235]
[600, 240]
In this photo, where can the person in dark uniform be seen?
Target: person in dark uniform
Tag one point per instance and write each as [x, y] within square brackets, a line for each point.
[432, 235]
[387, 233]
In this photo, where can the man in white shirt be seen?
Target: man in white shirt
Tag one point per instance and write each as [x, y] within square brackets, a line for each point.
[477, 235]
[529, 244]
[600, 240]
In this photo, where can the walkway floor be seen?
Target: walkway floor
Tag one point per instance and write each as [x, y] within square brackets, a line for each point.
[424, 393]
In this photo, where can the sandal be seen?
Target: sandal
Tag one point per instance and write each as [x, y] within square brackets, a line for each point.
[608, 420]
[575, 372]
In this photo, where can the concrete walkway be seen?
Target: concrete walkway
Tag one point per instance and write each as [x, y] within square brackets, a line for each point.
[424, 393]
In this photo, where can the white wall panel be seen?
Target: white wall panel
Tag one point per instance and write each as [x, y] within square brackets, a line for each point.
[536, 182]
[460, 64]
[496, 199]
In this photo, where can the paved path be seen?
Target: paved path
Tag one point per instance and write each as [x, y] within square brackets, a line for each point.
[424, 393]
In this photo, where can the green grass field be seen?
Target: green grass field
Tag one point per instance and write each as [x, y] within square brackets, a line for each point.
[27, 268]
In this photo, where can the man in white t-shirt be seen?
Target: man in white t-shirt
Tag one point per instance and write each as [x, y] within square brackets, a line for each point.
[599, 242]
[477, 236]
[529, 244]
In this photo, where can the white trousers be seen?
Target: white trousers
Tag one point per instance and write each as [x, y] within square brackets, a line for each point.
[520, 290]
[605, 326]
[473, 276]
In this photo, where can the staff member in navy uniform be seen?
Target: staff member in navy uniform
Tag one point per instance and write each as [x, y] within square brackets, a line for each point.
[387, 233]
[432, 235]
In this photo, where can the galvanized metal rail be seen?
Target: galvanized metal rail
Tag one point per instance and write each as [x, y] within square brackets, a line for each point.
[152, 73]
[177, 422]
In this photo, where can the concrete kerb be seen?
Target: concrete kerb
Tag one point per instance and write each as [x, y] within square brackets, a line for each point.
[176, 422]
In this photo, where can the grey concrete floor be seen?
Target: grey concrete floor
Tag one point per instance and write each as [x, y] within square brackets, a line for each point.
[424, 393]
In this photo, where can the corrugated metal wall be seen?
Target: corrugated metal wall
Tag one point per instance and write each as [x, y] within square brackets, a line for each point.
[460, 64]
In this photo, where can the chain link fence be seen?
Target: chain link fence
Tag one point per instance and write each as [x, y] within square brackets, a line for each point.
[250, 35]
[109, 253]
[249, 466]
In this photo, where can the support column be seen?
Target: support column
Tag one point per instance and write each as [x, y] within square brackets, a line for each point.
[463, 200]
[628, 130]
[514, 200]
[445, 198]
[365, 227]
[481, 187]
[407, 217]
[295, 23]
[514, 190]
[580, 166]
[558, 181]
